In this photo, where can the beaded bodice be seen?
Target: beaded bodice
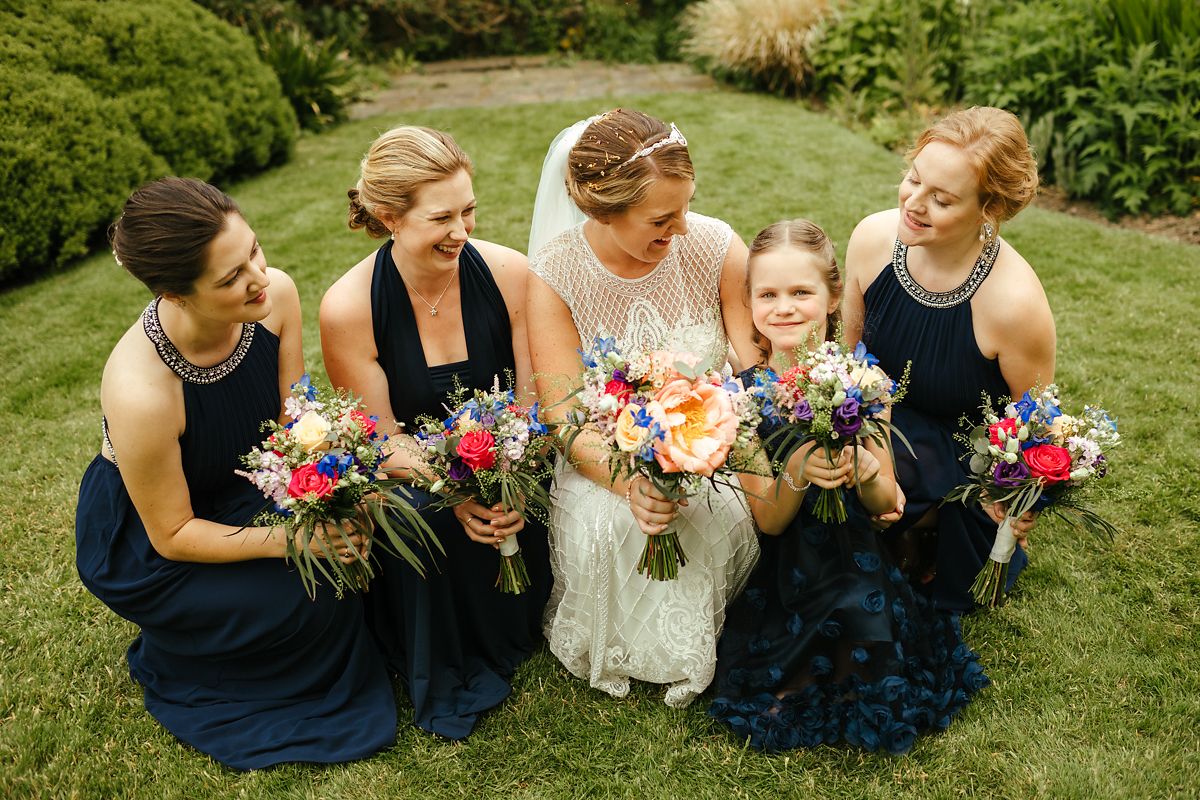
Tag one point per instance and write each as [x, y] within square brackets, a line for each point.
[961, 293]
[186, 370]
[676, 306]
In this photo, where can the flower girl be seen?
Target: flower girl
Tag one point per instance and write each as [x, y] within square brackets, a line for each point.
[828, 643]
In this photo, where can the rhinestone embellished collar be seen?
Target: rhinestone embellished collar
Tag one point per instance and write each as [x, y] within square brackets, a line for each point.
[185, 369]
[961, 293]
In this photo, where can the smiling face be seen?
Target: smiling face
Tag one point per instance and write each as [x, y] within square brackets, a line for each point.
[233, 285]
[644, 232]
[789, 297]
[437, 225]
[939, 197]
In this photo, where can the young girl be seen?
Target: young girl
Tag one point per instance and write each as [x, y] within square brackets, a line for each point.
[828, 643]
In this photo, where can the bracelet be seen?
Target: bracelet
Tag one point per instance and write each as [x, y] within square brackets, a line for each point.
[787, 478]
[629, 491]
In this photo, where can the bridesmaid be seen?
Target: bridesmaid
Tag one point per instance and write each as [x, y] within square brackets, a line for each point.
[933, 282]
[431, 307]
[232, 656]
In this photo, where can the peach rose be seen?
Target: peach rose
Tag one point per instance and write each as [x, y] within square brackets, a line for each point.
[630, 435]
[701, 427]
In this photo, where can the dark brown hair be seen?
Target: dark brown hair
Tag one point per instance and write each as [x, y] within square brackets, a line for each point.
[807, 236]
[163, 233]
[600, 178]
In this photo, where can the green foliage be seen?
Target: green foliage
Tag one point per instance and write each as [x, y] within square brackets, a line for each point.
[1111, 100]
[314, 75]
[150, 87]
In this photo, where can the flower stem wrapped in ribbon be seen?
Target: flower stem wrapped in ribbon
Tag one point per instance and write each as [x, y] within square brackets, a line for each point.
[1034, 458]
[663, 417]
[494, 450]
[320, 469]
[834, 397]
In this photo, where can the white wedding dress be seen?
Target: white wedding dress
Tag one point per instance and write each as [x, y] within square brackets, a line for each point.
[605, 622]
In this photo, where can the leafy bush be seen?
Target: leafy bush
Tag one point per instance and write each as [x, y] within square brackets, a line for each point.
[763, 43]
[1113, 113]
[314, 75]
[100, 97]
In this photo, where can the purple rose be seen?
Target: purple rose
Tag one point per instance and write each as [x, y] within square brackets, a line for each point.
[459, 471]
[1009, 476]
[803, 411]
[846, 420]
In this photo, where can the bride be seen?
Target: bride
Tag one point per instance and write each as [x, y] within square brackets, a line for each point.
[615, 251]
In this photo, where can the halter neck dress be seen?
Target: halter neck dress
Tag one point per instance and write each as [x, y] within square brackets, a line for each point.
[934, 330]
[233, 659]
[453, 638]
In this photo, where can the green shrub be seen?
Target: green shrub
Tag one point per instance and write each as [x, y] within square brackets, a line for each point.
[314, 75]
[1113, 113]
[761, 43]
[151, 87]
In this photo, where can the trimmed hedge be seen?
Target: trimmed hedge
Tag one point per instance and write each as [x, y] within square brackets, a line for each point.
[101, 97]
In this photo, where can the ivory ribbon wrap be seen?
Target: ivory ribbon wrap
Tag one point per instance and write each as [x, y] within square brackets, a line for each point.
[1005, 544]
[509, 546]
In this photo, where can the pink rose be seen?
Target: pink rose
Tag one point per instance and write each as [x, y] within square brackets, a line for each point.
[1049, 462]
[306, 480]
[366, 423]
[1009, 425]
[619, 389]
[476, 449]
[701, 427]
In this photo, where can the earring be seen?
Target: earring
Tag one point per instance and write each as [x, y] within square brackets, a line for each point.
[986, 232]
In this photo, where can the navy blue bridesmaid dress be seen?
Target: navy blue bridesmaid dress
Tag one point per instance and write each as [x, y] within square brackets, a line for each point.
[233, 659]
[451, 636]
[829, 644]
[906, 322]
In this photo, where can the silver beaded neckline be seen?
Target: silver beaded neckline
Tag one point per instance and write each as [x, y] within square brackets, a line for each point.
[185, 369]
[961, 293]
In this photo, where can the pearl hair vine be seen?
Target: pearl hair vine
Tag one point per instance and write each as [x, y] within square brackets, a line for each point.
[675, 137]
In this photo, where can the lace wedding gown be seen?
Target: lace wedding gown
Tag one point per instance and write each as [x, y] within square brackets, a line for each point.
[605, 622]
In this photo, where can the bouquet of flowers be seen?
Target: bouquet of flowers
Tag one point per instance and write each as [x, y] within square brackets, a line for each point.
[835, 397]
[321, 468]
[1034, 458]
[494, 450]
[663, 417]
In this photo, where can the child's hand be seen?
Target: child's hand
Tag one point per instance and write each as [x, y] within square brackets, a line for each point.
[868, 465]
[820, 471]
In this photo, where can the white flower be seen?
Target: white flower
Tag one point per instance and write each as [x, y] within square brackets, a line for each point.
[311, 430]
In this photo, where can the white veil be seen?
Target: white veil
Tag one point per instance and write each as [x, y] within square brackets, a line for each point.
[553, 210]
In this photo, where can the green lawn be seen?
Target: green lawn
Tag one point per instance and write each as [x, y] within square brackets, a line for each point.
[1096, 677]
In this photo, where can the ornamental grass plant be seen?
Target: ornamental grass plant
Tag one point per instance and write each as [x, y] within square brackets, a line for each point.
[1094, 663]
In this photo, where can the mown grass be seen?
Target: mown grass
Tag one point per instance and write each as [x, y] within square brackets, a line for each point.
[1096, 678]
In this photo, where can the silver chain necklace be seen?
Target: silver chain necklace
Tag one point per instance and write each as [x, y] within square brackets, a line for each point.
[433, 306]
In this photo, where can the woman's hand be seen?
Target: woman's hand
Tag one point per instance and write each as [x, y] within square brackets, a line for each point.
[1021, 528]
[488, 525]
[650, 507]
[341, 539]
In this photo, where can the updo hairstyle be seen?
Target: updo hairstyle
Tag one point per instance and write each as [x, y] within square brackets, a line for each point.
[399, 162]
[808, 237]
[599, 180]
[163, 233]
[998, 150]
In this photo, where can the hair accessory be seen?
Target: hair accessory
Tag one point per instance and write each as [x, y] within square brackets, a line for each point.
[117, 258]
[675, 137]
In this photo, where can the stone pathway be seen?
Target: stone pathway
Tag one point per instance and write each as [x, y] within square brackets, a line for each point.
[524, 79]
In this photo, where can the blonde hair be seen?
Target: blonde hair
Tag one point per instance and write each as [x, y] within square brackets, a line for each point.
[399, 163]
[998, 151]
[601, 179]
[808, 237]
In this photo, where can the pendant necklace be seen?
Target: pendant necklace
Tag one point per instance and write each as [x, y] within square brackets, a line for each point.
[433, 306]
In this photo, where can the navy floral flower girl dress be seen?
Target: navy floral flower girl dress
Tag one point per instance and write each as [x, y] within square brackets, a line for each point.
[830, 644]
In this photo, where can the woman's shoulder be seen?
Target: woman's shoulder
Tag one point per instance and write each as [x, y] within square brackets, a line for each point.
[706, 244]
[136, 380]
[349, 298]
[508, 267]
[1012, 288]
